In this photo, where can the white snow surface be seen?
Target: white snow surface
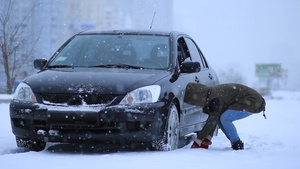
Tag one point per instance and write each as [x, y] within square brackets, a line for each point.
[271, 143]
[5, 96]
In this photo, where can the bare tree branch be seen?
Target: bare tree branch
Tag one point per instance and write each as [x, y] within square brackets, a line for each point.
[14, 54]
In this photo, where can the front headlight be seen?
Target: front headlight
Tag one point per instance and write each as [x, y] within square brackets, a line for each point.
[147, 94]
[24, 93]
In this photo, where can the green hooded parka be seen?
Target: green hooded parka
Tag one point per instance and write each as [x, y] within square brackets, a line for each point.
[230, 96]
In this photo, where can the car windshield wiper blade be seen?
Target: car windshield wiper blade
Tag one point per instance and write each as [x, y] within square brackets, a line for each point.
[60, 66]
[119, 66]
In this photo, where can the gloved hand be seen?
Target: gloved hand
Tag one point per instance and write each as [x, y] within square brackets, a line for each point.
[214, 105]
[201, 144]
[206, 141]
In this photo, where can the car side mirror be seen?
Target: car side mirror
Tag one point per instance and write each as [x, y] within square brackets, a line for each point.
[39, 63]
[190, 67]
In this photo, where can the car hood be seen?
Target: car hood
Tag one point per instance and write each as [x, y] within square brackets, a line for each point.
[97, 82]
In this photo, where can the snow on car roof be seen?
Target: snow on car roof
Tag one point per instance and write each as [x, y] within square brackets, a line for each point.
[150, 32]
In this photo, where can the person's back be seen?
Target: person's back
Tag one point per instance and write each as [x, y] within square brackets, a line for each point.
[238, 97]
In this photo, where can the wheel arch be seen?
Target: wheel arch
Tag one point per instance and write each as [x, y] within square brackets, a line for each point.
[177, 104]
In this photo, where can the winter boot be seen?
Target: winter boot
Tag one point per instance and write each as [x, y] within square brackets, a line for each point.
[238, 145]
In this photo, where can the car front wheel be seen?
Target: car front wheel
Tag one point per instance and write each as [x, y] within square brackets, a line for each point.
[171, 132]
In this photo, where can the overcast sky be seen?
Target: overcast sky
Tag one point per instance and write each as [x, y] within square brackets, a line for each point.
[240, 33]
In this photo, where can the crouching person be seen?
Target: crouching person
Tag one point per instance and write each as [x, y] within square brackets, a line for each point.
[224, 104]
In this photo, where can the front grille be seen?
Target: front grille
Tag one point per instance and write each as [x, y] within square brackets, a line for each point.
[87, 98]
[101, 128]
[83, 126]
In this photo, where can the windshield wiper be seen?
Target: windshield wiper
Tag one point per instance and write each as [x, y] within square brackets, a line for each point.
[119, 66]
[60, 66]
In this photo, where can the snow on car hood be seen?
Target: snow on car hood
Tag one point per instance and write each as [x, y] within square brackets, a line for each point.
[97, 82]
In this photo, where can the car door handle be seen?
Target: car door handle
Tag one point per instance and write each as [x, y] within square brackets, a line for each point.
[197, 79]
[210, 76]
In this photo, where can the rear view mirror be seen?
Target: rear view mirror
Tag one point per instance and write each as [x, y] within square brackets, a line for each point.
[190, 67]
[39, 63]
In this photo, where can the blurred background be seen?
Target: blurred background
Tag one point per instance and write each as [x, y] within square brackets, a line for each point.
[253, 42]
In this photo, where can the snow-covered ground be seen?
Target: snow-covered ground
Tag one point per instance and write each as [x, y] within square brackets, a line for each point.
[273, 143]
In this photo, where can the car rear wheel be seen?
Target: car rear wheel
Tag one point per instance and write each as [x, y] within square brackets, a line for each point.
[171, 132]
[33, 145]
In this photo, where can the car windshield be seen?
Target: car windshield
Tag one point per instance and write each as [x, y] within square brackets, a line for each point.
[121, 51]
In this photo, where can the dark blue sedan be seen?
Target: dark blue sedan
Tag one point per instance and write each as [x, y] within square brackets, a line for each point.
[112, 86]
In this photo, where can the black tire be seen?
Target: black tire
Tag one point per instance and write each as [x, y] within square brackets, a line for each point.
[171, 133]
[32, 145]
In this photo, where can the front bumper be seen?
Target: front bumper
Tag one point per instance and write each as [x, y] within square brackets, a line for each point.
[90, 123]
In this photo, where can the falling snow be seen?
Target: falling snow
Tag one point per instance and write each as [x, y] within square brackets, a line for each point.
[269, 144]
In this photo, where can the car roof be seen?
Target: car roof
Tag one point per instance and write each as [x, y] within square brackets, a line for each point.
[143, 32]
